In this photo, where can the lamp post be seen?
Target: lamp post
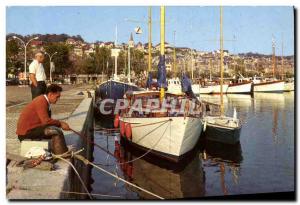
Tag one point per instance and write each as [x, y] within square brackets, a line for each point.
[50, 57]
[25, 50]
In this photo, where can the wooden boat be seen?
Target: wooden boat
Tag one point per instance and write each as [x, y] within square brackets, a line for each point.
[268, 85]
[289, 86]
[239, 88]
[168, 135]
[221, 128]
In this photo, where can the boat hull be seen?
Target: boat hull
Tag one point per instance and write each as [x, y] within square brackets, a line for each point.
[169, 137]
[216, 89]
[289, 86]
[241, 88]
[197, 89]
[112, 89]
[222, 135]
[274, 86]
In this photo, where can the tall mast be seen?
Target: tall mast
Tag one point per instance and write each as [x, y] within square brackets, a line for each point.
[162, 30]
[149, 40]
[221, 61]
[162, 46]
[282, 69]
[174, 57]
[273, 56]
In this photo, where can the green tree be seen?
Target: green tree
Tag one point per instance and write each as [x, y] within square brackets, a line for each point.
[13, 62]
[63, 64]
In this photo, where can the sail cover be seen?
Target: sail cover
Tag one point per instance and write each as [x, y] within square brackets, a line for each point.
[186, 86]
[149, 80]
[162, 73]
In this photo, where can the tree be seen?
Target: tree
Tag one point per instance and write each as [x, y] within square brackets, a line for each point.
[61, 60]
[13, 62]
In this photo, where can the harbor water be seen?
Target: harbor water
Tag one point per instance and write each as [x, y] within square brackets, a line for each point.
[262, 162]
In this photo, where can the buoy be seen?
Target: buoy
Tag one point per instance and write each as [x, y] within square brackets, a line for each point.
[128, 131]
[122, 128]
[116, 121]
[204, 126]
[129, 170]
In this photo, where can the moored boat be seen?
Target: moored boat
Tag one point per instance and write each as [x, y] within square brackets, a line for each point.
[275, 86]
[169, 135]
[239, 88]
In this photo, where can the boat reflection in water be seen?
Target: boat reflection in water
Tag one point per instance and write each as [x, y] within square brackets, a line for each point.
[227, 158]
[185, 180]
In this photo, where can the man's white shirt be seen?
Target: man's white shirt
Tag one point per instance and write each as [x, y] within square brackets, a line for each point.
[37, 69]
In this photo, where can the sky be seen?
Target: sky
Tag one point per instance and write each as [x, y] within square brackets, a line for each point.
[195, 26]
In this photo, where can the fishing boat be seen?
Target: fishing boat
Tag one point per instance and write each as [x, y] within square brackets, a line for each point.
[165, 132]
[222, 128]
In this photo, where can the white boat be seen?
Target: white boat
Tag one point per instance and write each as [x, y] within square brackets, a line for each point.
[222, 129]
[167, 136]
[267, 85]
[289, 86]
[216, 89]
[198, 89]
[174, 86]
[240, 88]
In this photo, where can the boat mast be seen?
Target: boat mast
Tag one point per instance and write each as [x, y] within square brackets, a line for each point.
[192, 66]
[221, 61]
[116, 58]
[210, 69]
[282, 71]
[162, 43]
[273, 56]
[174, 55]
[149, 40]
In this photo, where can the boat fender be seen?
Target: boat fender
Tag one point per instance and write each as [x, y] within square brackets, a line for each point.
[204, 126]
[116, 121]
[122, 128]
[128, 131]
[129, 170]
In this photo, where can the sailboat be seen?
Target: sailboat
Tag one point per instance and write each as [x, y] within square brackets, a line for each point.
[269, 84]
[115, 88]
[167, 134]
[222, 128]
[288, 83]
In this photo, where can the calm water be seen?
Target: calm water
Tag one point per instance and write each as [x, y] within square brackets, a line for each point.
[262, 162]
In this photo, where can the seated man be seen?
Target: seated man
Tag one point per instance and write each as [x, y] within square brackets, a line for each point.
[35, 121]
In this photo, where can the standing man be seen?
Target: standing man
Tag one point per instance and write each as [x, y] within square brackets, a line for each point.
[37, 75]
[35, 122]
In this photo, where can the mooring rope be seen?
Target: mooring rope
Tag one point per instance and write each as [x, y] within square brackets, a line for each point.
[108, 152]
[61, 158]
[87, 162]
[149, 150]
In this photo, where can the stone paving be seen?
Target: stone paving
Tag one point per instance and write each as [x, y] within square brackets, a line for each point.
[18, 97]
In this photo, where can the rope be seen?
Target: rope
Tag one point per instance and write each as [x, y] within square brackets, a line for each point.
[108, 152]
[57, 156]
[148, 150]
[87, 162]
[81, 193]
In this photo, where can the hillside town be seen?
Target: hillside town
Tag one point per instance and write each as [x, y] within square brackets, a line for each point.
[196, 63]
